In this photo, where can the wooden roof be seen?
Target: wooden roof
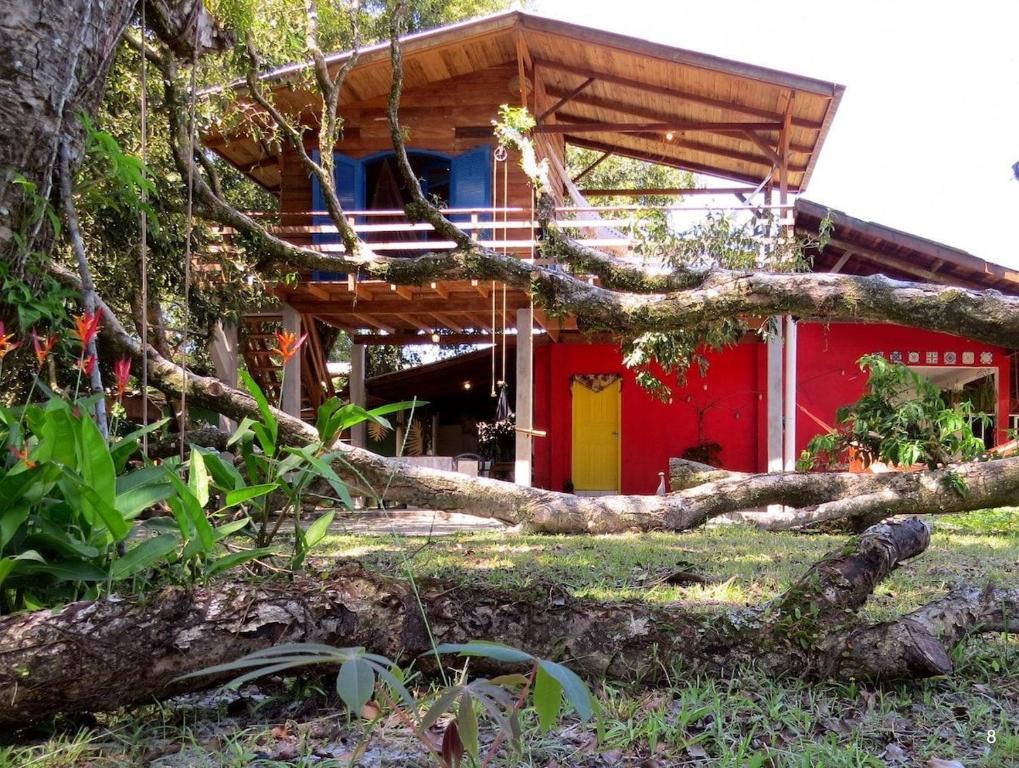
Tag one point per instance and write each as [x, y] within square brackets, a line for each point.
[864, 248]
[643, 92]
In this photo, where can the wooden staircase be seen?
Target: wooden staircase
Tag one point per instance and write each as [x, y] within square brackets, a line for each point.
[257, 338]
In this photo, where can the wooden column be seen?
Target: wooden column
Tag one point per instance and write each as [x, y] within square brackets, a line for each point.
[524, 384]
[358, 395]
[291, 399]
[789, 397]
[223, 353]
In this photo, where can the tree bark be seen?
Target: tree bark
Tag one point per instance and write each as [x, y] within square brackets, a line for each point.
[116, 652]
[56, 58]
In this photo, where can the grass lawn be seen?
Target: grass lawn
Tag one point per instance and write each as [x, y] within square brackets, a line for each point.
[744, 720]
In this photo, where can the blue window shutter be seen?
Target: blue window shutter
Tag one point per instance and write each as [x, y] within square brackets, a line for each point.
[471, 182]
[349, 176]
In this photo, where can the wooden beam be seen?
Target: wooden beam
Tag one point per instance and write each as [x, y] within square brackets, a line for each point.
[676, 125]
[605, 156]
[674, 93]
[440, 289]
[426, 327]
[671, 191]
[564, 100]
[485, 131]
[783, 150]
[523, 57]
[402, 291]
[643, 113]
[448, 322]
[902, 265]
[837, 267]
[372, 322]
[650, 157]
[445, 339]
[764, 146]
[696, 146]
[551, 326]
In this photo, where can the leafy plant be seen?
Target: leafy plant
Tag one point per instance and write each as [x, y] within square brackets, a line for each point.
[69, 506]
[902, 419]
[274, 480]
[362, 676]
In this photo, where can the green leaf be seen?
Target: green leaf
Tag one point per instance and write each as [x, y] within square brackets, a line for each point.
[124, 448]
[575, 689]
[97, 509]
[144, 556]
[191, 512]
[66, 570]
[224, 474]
[355, 684]
[327, 473]
[8, 564]
[271, 427]
[235, 559]
[96, 463]
[132, 503]
[548, 699]
[11, 519]
[229, 529]
[249, 492]
[440, 706]
[467, 724]
[317, 530]
[486, 649]
[198, 477]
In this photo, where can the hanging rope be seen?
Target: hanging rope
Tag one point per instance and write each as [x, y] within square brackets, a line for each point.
[505, 251]
[143, 223]
[499, 155]
[188, 230]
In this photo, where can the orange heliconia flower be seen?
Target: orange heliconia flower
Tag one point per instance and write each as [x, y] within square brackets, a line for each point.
[7, 343]
[86, 327]
[287, 345]
[21, 454]
[87, 364]
[43, 345]
[122, 371]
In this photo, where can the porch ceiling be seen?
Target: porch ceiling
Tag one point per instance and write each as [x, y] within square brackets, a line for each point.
[747, 112]
[461, 310]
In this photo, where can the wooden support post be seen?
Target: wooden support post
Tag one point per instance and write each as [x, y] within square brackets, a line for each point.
[291, 399]
[789, 397]
[223, 352]
[524, 383]
[358, 394]
[774, 398]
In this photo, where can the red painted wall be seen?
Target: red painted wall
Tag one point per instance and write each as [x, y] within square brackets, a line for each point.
[829, 378]
[729, 394]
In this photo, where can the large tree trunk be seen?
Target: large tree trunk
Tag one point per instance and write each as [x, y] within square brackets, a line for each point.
[56, 55]
[819, 496]
[115, 652]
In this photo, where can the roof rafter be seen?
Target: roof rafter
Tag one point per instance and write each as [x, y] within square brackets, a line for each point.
[674, 93]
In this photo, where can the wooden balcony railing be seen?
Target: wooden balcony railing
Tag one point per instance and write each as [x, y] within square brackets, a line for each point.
[511, 230]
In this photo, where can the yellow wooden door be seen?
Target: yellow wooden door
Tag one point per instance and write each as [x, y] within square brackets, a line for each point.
[596, 438]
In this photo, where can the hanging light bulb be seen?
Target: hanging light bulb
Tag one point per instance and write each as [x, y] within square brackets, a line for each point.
[467, 384]
[435, 337]
[669, 136]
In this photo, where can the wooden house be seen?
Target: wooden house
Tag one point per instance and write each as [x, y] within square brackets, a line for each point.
[583, 422]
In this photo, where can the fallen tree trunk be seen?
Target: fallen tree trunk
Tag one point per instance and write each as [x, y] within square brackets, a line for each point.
[828, 495]
[115, 652]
